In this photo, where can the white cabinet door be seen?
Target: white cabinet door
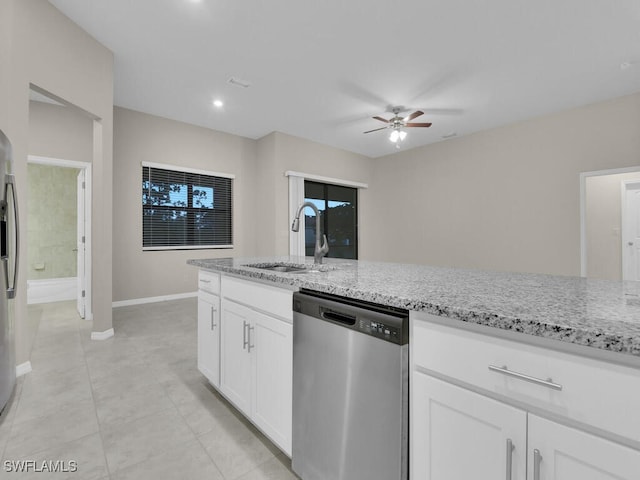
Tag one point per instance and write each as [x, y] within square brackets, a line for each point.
[235, 357]
[460, 435]
[209, 337]
[272, 365]
[565, 453]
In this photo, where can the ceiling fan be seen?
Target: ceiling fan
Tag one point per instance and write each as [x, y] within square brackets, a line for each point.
[397, 123]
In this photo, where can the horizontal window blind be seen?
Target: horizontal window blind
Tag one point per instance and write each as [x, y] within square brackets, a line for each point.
[183, 209]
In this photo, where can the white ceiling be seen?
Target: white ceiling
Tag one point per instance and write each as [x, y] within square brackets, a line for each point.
[320, 69]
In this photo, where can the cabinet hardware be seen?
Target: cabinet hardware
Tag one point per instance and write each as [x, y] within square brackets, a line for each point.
[510, 449]
[213, 315]
[527, 378]
[245, 342]
[205, 281]
[249, 346]
[537, 458]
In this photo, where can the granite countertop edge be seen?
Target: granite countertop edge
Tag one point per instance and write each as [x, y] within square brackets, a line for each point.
[621, 338]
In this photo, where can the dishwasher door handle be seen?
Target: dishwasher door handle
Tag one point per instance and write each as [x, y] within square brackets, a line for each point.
[337, 316]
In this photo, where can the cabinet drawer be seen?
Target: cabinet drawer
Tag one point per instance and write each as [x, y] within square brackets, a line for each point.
[273, 300]
[209, 282]
[593, 392]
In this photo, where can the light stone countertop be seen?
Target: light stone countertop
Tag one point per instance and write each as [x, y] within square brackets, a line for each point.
[596, 313]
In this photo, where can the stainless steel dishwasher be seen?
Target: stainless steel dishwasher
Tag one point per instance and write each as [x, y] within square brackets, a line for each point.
[350, 389]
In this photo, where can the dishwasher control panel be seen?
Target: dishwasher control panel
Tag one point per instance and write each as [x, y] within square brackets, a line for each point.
[379, 329]
[386, 323]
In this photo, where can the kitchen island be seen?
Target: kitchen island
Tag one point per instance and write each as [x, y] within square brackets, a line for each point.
[536, 376]
[595, 313]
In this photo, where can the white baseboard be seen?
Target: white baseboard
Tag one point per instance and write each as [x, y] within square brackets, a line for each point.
[102, 335]
[52, 290]
[163, 298]
[23, 369]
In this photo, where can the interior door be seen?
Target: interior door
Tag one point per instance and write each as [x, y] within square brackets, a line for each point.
[631, 232]
[81, 244]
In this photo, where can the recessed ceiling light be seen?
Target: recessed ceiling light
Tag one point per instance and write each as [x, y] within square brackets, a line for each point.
[218, 103]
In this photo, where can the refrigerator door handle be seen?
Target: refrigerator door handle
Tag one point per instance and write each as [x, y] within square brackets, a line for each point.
[10, 180]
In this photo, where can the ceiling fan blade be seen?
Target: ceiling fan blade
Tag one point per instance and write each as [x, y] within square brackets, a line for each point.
[382, 119]
[415, 114]
[417, 124]
[376, 129]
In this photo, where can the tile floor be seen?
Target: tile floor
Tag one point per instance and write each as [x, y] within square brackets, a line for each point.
[133, 407]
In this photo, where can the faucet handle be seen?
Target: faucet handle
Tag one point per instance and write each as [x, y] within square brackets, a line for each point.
[325, 245]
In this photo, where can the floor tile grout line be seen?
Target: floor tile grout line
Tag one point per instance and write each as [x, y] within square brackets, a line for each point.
[194, 433]
[210, 457]
[14, 413]
[149, 346]
[95, 409]
[12, 419]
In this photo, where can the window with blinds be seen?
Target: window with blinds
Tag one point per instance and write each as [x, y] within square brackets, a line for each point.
[185, 209]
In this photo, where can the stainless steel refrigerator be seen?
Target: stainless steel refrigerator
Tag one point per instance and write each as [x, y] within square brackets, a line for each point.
[9, 242]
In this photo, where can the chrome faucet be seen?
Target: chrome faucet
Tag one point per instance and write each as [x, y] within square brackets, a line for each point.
[320, 251]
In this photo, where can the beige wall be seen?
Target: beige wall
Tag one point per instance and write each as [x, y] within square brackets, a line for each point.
[60, 132]
[52, 219]
[279, 153]
[504, 199]
[6, 40]
[144, 138]
[261, 194]
[603, 201]
[264, 194]
[48, 50]
[63, 133]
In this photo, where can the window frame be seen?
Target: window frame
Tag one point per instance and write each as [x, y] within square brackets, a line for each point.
[325, 218]
[189, 208]
[296, 198]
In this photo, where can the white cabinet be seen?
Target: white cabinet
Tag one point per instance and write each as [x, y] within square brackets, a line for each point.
[558, 452]
[257, 369]
[209, 337]
[461, 435]
[272, 368]
[235, 375]
[472, 398]
[209, 326]
[245, 349]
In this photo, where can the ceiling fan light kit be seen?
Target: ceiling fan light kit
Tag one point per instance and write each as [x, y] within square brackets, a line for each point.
[398, 123]
[397, 135]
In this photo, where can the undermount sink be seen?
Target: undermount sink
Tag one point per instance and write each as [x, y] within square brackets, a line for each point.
[286, 267]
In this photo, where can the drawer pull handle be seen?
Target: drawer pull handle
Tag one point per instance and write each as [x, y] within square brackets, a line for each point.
[205, 281]
[527, 378]
[537, 458]
[510, 449]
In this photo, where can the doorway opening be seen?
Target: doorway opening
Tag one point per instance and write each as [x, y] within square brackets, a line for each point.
[631, 230]
[605, 230]
[59, 241]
